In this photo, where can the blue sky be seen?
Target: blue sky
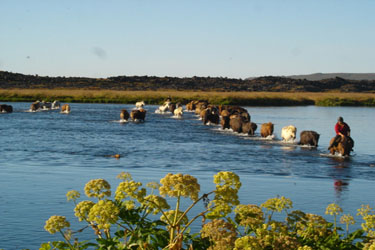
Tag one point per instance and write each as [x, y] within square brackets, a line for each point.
[182, 38]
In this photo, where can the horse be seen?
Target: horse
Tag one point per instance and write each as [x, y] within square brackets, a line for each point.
[164, 108]
[140, 104]
[138, 115]
[55, 104]
[266, 129]
[309, 137]
[4, 108]
[124, 115]
[35, 106]
[288, 133]
[178, 112]
[65, 108]
[343, 145]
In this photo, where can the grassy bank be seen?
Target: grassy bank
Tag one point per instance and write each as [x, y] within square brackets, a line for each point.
[158, 97]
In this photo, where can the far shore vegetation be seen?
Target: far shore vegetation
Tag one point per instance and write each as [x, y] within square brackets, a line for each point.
[158, 97]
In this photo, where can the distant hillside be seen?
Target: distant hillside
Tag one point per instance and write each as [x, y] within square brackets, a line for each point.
[10, 80]
[348, 76]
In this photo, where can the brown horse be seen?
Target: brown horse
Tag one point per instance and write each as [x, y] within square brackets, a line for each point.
[342, 145]
[266, 129]
[65, 108]
[138, 115]
[309, 137]
[6, 108]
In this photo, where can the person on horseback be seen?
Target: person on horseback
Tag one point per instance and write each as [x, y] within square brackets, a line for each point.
[342, 129]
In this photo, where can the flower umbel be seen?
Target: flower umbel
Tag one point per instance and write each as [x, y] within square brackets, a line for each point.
[249, 215]
[124, 176]
[222, 234]
[82, 209]
[333, 209]
[98, 188]
[72, 195]
[155, 203]
[104, 213]
[227, 186]
[277, 204]
[56, 223]
[130, 189]
[175, 185]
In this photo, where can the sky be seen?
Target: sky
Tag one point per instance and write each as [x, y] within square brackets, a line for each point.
[185, 38]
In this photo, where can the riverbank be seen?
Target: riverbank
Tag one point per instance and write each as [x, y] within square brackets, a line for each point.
[158, 97]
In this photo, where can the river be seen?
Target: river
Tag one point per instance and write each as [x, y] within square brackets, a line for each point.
[45, 154]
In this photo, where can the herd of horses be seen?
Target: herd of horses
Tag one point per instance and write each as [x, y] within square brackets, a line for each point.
[38, 106]
[231, 117]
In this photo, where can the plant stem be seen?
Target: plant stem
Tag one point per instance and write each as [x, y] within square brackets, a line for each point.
[175, 217]
[67, 241]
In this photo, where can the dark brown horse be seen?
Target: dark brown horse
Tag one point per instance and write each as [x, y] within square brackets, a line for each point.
[6, 108]
[124, 115]
[310, 138]
[138, 115]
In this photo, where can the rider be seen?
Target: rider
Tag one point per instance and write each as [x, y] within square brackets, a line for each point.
[342, 129]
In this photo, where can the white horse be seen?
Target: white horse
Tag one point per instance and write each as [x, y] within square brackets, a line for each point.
[178, 112]
[140, 104]
[288, 133]
[164, 108]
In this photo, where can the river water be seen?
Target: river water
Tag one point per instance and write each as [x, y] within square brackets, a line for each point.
[45, 154]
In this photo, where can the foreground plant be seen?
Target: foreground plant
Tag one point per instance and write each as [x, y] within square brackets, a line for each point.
[131, 214]
[130, 220]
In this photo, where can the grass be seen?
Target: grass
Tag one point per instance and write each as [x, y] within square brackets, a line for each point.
[158, 97]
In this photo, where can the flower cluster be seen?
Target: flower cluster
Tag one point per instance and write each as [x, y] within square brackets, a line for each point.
[153, 185]
[72, 195]
[368, 215]
[277, 204]
[155, 204]
[275, 238]
[369, 225]
[369, 245]
[104, 213]
[98, 188]
[333, 209]
[313, 227]
[175, 185]
[222, 234]
[347, 219]
[226, 194]
[305, 248]
[247, 242]
[249, 215]
[365, 210]
[82, 209]
[130, 189]
[124, 176]
[56, 223]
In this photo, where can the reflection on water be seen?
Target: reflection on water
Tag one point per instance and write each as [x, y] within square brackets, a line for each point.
[45, 154]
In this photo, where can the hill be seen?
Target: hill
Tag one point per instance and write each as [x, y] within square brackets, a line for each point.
[348, 76]
[9, 80]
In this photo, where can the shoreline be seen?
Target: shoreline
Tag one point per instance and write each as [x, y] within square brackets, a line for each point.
[213, 97]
